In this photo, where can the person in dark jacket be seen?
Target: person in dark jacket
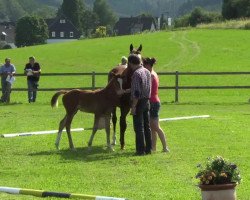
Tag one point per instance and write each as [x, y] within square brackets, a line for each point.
[32, 70]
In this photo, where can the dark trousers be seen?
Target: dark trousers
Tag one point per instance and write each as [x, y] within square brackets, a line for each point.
[6, 90]
[142, 127]
[32, 90]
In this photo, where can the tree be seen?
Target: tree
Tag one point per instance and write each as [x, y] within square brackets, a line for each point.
[232, 9]
[89, 22]
[228, 10]
[31, 30]
[73, 10]
[105, 15]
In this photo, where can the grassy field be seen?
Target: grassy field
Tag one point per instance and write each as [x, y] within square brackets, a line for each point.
[33, 162]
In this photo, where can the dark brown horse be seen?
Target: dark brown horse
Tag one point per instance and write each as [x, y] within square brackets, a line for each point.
[99, 102]
[124, 99]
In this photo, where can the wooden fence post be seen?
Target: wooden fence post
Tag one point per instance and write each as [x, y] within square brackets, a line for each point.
[176, 87]
[93, 80]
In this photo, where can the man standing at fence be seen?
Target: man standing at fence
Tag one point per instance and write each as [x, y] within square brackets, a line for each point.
[7, 71]
[32, 70]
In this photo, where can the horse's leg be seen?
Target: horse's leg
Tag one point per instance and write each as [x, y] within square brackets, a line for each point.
[95, 127]
[68, 126]
[123, 124]
[59, 134]
[107, 129]
[114, 121]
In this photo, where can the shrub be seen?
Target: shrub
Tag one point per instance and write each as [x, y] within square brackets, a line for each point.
[218, 170]
[247, 26]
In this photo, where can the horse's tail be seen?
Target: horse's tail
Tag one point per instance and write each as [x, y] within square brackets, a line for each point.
[54, 99]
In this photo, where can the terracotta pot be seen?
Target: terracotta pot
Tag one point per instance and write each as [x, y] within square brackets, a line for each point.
[218, 192]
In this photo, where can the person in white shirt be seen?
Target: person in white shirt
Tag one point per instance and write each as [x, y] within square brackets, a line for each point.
[7, 71]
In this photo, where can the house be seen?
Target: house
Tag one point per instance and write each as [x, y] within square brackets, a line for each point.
[7, 34]
[132, 25]
[61, 30]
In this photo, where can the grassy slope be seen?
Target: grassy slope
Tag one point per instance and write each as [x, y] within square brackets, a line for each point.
[32, 162]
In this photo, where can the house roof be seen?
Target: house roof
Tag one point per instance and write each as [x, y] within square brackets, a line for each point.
[54, 25]
[125, 24]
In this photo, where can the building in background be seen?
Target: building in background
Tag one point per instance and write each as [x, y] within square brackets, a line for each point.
[61, 30]
[133, 25]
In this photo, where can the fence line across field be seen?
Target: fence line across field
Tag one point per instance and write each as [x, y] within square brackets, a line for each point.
[176, 86]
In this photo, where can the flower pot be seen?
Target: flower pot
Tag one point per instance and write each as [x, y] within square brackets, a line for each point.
[218, 192]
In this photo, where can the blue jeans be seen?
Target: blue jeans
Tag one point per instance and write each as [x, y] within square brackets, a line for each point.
[32, 90]
[142, 127]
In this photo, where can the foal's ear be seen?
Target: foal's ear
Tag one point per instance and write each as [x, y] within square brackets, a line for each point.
[140, 48]
[131, 47]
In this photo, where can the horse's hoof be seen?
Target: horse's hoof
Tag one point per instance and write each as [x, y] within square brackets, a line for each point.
[57, 146]
[110, 149]
[122, 147]
[89, 148]
[73, 149]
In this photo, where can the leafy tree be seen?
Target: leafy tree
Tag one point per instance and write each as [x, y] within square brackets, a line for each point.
[89, 22]
[73, 10]
[31, 30]
[105, 15]
[232, 9]
[190, 5]
[228, 9]
[197, 16]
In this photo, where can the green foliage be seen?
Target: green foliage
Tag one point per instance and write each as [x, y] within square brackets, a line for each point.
[89, 22]
[73, 10]
[12, 10]
[247, 26]
[232, 9]
[105, 14]
[182, 21]
[101, 31]
[218, 170]
[197, 16]
[209, 5]
[31, 30]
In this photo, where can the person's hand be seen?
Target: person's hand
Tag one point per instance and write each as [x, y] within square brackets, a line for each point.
[120, 92]
[127, 91]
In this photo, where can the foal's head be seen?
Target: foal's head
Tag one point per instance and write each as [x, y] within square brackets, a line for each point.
[115, 82]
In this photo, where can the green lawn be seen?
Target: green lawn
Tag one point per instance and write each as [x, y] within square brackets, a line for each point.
[33, 162]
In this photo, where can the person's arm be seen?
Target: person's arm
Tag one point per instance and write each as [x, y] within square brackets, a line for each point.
[38, 71]
[25, 69]
[13, 71]
[133, 107]
[135, 92]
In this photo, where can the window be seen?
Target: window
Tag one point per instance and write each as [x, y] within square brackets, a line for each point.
[71, 34]
[53, 34]
[62, 34]
[62, 21]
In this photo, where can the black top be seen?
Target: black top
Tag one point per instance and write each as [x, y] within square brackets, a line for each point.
[35, 67]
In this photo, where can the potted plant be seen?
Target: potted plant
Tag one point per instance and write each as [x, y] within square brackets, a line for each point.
[218, 179]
